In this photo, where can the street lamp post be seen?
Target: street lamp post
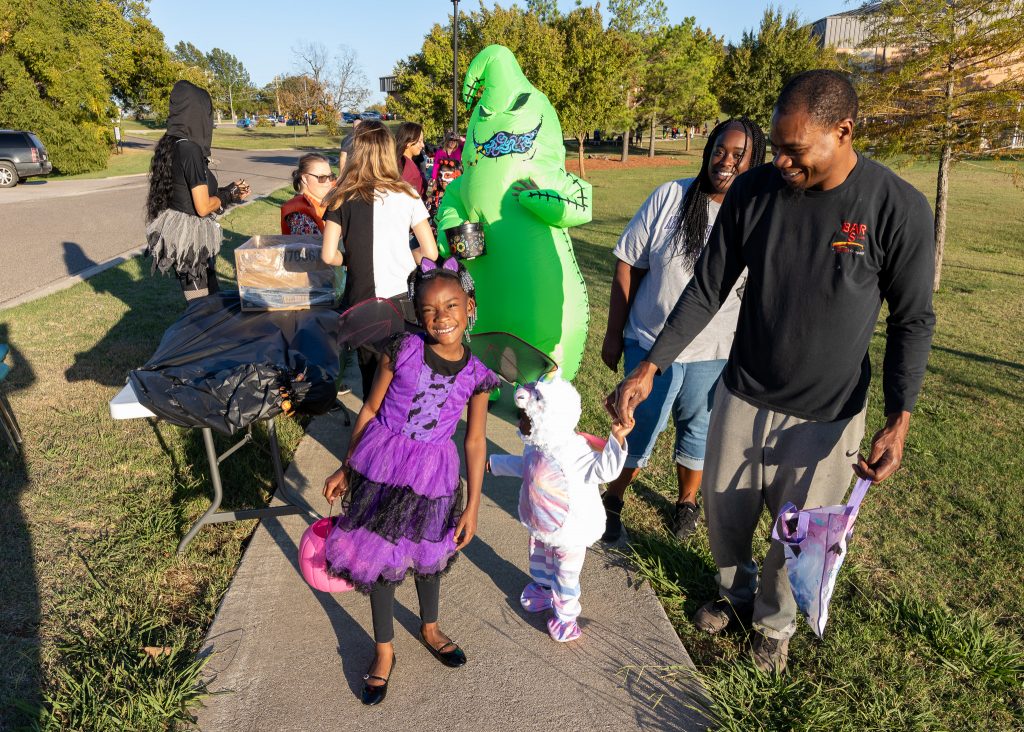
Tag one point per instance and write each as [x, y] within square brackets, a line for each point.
[455, 69]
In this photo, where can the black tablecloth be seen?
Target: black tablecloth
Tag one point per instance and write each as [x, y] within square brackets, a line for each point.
[223, 368]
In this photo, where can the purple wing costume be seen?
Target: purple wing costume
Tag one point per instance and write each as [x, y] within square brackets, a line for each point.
[403, 499]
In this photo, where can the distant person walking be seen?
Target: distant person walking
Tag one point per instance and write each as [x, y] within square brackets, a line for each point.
[181, 232]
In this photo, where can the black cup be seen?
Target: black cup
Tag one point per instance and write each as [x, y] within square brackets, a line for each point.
[466, 241]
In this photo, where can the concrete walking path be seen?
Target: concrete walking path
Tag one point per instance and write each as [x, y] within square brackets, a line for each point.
[283, 657]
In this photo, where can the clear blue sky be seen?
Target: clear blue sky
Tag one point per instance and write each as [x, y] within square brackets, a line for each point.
[261, 33]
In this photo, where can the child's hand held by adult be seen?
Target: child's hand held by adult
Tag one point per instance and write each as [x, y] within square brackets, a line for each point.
[621, 428]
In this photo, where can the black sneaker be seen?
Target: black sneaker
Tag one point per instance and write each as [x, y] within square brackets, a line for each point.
[685, 519]
[613, 518]
[344, 389]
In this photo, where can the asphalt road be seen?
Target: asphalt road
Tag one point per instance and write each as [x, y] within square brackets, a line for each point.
[50, 230]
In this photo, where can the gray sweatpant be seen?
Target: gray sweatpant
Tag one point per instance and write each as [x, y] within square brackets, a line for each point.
[758, 458]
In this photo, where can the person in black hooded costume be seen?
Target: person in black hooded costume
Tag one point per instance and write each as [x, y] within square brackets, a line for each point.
[181, 232]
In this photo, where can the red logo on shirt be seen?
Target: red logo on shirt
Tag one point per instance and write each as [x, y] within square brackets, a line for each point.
[856, 235]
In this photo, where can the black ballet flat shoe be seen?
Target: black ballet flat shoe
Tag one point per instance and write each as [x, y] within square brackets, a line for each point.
[373, 695]
[451, 658]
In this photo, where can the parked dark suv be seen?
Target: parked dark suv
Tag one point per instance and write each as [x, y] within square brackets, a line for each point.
[22, 155]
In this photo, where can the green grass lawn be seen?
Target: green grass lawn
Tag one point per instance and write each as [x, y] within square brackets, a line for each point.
[270, 138]
[282, 136]
[130, 162]
[927, 630]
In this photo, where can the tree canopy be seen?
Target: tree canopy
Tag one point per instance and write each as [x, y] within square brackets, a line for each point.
[66, 67]
[952, 84]
[592, 61]
[52, 81]
[754, 72]
[425, 77]
[682, 64]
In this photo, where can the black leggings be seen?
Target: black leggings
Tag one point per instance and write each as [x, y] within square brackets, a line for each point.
[382, 605]
[368, 360]
[202, 285]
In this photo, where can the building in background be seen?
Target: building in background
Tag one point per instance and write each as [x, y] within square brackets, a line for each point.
[846, 32]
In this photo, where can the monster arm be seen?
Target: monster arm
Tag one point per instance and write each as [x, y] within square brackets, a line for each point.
[560, 199]
[450, 213]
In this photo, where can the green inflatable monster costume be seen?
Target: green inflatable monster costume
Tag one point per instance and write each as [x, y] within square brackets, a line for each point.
[515, 184]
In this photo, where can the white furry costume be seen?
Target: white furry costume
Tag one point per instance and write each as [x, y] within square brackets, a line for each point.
[559, 501]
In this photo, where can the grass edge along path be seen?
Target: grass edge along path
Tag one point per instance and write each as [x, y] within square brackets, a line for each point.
[927, 621]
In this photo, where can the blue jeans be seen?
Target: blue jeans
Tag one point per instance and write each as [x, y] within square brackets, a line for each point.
[684, 390]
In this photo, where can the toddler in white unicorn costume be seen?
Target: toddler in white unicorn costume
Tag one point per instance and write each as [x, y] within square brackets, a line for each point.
[559, 501]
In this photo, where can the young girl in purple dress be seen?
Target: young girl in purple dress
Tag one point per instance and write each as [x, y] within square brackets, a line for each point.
[400, 481]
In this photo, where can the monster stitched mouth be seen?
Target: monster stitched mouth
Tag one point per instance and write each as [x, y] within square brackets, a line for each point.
[506, 143]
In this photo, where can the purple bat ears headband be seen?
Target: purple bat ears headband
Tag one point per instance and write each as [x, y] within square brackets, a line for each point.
[451, 264]
[429, 269]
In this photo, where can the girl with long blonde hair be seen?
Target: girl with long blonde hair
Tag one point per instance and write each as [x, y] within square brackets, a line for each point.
[370, 213]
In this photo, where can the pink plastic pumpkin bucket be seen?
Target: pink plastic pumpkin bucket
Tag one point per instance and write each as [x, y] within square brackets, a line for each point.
[597, 444]
[313, 559]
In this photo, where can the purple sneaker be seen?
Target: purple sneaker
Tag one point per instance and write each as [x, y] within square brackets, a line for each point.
[535, 598]
[563, 631]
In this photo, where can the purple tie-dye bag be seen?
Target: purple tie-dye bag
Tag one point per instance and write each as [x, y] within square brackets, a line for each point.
[814, 540]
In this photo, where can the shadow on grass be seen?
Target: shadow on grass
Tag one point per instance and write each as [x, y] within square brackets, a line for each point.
[151, 305]
[20, 662]
[980, 358]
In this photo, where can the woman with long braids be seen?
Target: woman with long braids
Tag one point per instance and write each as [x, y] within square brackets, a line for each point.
[181, 232]
[656, 256]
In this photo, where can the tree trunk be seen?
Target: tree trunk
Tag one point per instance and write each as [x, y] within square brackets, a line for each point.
[650, 147]
[579, 143]
[941, 199]
[625, 146]
[687, 133]
[942, 181]
[231, 104]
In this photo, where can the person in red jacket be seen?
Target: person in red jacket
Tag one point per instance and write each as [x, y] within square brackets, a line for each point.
[312, 180]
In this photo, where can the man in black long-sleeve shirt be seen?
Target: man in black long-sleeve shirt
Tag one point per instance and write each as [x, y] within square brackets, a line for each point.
[826, 235]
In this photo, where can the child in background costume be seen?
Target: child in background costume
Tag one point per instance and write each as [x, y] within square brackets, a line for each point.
[400, 480]
[559, 501]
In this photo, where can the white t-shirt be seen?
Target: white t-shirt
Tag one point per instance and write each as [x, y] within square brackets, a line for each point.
[376, 243]
[647, 243]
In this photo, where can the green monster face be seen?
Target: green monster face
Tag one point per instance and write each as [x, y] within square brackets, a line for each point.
[516, 189]
[510, 117]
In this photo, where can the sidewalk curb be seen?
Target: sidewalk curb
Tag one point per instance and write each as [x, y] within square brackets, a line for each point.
[71, 280]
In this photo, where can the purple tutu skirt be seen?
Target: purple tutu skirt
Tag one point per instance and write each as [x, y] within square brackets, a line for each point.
[399, 512]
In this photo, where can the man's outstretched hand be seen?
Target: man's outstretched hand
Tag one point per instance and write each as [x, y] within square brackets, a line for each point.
[886, 449]
[630, 392]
